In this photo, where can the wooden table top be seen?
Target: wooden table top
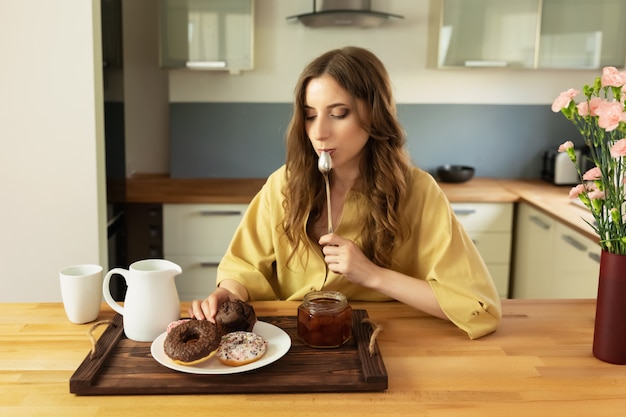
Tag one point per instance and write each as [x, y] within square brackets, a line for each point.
[538, 363]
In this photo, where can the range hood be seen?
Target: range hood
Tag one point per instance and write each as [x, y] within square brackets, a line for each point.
[352, 13]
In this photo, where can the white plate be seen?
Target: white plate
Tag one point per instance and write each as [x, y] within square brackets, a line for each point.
[278, 344]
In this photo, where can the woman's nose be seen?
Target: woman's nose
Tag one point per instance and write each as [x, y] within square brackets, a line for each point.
[319, 129]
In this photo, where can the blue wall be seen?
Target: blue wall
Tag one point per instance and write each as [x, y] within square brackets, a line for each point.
[246, 140]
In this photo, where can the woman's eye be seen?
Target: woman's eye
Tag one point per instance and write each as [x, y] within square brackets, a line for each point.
[341, 115]
[338, 114]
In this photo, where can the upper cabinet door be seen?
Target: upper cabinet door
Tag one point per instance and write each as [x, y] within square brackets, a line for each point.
[587, 34]
[573, 34]
[207, 34]
[487, 33]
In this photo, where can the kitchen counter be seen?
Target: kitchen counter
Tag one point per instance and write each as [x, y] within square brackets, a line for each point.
[479, 190]
[553, 200]
[147, 188]
[538, 362]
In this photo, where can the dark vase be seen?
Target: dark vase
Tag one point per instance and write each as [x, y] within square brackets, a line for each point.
[609, 337]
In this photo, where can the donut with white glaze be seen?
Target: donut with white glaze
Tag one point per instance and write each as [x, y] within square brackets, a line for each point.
[241, 348]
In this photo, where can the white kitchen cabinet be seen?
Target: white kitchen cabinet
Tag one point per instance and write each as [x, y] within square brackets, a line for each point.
[196, 236]
[585, 34]
[533, 260]
[552, 260]
[576, 264]
[207, 34]
[490, 227]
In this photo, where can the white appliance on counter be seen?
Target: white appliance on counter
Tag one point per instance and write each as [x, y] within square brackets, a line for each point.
[558, 169]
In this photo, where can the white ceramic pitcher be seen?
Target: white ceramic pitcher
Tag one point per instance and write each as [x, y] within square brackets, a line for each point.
[151, 301]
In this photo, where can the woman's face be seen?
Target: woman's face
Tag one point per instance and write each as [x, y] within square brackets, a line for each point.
[332, 123]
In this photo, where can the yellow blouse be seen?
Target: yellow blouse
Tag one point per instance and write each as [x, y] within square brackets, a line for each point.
[437, 250]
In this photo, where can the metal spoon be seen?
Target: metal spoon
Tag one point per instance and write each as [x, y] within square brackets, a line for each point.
[325, 164]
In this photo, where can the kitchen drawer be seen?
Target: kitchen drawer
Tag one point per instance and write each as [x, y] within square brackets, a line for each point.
[200, 228]
[198, 278]
[485, 217]
[493, 247]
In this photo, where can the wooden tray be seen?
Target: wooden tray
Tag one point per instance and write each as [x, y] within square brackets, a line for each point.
[125, 367]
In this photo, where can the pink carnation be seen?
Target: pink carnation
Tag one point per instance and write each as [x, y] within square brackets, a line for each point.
[565, 146]
[594, 104]
[619, 148]
[576, 191]
[611, 77]
[592, 174]
[583, 108]
[596, 195]
[610, 114]
[562, 101]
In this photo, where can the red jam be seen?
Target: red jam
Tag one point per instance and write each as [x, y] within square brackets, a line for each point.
[325, 319]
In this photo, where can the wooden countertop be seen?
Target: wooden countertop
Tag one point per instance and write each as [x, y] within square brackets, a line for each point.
[147, 188]
[537, 363]
[551, 199]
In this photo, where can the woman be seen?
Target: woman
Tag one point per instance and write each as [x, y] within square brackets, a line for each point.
[396, 237]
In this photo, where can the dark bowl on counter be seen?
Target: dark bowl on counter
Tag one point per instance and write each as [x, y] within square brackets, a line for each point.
[455, 173]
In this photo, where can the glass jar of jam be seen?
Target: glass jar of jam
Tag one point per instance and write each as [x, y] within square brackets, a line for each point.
[324, 319]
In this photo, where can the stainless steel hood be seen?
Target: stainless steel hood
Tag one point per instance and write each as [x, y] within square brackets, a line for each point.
[352, 13]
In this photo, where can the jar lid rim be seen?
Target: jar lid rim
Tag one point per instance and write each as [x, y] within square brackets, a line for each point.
[338, 301]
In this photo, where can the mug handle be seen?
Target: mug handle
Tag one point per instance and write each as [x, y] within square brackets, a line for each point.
[107, 292]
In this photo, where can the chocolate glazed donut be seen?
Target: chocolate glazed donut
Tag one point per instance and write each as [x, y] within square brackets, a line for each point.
[192, 341]
[234, 316]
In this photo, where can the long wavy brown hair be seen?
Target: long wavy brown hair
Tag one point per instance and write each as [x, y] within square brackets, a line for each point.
[385, 165]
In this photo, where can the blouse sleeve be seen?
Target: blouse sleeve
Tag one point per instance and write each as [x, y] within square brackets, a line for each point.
[448, 259]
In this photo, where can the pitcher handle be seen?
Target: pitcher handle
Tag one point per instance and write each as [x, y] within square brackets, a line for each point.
[107, 292]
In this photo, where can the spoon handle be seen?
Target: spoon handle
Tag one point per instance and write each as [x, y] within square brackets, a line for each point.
[330, 216]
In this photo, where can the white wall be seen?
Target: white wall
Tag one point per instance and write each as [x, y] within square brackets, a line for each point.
[51, 135]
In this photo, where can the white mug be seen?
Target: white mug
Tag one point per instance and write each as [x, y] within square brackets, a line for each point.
[81, 291]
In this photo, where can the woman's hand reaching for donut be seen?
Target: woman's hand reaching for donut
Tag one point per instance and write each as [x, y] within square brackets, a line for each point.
[207, 308]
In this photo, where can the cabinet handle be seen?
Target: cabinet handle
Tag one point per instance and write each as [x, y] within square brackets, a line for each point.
[594, 256]
[209, 264]
[464, 212]
[220, 213]
[570, 240]
[205, 64]
[539, 222]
